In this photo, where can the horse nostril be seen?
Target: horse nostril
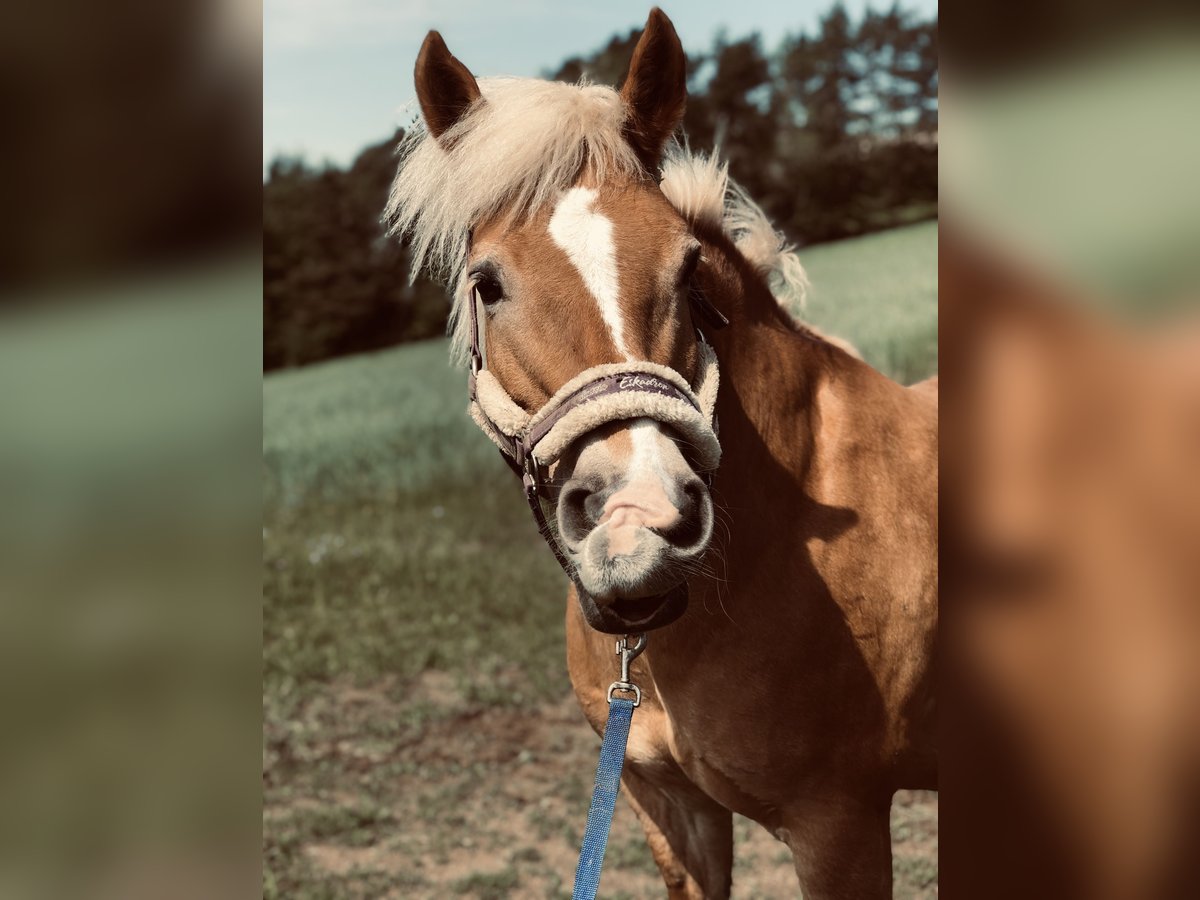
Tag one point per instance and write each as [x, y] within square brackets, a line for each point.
[579, 508]
[583, 504]
[694, 525]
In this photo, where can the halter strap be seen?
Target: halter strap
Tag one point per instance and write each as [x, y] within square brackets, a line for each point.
[476, 348]
[605, 385]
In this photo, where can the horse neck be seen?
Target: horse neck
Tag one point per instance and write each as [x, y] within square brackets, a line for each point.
[771, 372]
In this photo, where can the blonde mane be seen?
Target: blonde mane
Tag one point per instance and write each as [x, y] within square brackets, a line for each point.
[699, 187]
[525, 143]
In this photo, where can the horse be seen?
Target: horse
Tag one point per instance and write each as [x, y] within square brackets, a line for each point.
[790, 593]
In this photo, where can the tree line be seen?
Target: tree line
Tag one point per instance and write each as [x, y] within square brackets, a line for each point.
[834, 132]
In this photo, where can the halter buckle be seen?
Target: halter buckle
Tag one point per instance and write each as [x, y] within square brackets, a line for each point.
[476, 340]
[531, 473]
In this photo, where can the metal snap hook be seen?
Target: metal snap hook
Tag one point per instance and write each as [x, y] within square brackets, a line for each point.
[628, 654]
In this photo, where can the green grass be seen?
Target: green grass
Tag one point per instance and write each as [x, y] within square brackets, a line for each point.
[396, 543]
[394, 537]
[880, 293]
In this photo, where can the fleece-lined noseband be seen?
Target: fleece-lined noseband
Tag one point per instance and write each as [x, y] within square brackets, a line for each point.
[531, 442]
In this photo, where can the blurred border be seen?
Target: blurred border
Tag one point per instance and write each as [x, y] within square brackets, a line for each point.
[130, 445]
[1071, 499]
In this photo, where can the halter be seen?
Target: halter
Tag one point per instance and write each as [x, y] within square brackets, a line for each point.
[611, 392]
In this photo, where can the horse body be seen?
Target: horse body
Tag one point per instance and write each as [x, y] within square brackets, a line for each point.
[798, 692]
[791, 604]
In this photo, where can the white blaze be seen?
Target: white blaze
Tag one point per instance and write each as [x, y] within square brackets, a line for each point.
[647, 462]
[587, 238]
[645, 499]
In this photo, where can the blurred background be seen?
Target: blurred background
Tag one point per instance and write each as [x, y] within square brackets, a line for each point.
[421, 738]
[129, 449]
[1070, 494]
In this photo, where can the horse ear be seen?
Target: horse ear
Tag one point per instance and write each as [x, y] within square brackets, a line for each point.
[655, 90]
[445, 87]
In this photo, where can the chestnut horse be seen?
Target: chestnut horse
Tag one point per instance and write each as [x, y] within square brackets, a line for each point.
[793, 684]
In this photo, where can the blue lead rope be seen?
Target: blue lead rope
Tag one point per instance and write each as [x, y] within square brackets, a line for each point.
[604, 798]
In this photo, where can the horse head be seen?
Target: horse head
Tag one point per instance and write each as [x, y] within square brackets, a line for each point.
[542, 201]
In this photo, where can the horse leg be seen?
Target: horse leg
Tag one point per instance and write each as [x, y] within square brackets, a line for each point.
[690, 835]
[843, 851]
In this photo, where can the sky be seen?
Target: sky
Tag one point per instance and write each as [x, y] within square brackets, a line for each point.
[337, 74]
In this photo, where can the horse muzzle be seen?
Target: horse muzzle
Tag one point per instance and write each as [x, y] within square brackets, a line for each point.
[626, 616]
[635, 519]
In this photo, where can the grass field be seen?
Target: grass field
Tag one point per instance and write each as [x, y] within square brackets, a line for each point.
[420, 739]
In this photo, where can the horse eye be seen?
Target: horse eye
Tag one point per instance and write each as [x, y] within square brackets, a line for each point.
[489, 290]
